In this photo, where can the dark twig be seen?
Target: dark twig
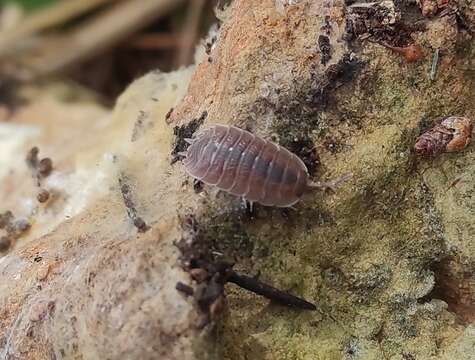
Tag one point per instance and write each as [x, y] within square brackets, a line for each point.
[185, 289]
[269, 292]
[212, 275]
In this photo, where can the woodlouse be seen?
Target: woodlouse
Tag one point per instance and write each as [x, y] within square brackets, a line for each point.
[246, 165]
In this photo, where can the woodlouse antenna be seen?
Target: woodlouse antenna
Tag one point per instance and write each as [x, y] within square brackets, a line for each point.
[332, 185]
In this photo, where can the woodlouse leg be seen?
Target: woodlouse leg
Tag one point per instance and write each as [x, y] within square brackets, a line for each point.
[332, 185]
[245, 202]
[251, 203]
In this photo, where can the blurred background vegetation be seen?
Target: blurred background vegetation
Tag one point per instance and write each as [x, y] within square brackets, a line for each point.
[29, 5]
[102, 45]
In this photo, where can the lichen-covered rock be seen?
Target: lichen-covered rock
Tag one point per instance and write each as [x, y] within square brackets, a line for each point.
[84, 282]
[389, 258]
[378, 256]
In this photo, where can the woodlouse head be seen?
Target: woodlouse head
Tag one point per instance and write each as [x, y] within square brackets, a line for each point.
[191, 157]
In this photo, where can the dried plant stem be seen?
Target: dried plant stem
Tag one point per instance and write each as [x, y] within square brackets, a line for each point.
[54, 15]
[269, 292]
[100, 33]
[156, 41]
[190, 32]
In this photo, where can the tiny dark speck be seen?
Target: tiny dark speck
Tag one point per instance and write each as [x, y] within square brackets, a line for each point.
[197, 186]
[185, 289]
[325, 49]
[183, 132]
[140, 224]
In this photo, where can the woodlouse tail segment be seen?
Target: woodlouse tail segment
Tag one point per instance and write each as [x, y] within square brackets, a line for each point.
[332, 185]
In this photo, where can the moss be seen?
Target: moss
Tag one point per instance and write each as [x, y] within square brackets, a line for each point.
[349, 260]
[227, 236]
[366, 254]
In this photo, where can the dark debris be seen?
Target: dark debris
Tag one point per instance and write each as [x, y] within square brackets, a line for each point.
[32, 157]
[14, 228]
[306, 108]
[141, 126]
[209, 45]
[325, 49]
[198, 186]
[185, 132]
[306, 151]
[212, 275]
[43, 196]
[168, 114]
[41, 168]
[381, 23]
[126, 191]
[185, 289]
[335, 76]
[45, 167]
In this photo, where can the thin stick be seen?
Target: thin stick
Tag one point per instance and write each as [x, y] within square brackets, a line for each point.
[190, 32]
[435, 62]
[268, 291]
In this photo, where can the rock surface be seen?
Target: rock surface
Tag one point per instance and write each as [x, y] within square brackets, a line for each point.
[389, 258]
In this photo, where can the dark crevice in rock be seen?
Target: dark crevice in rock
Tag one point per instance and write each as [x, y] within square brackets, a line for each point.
[454, 285]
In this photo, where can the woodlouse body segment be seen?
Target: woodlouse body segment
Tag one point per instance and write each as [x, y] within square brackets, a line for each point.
[245, 165]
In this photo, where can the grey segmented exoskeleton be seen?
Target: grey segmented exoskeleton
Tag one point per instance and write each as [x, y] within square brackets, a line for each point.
[243, 164]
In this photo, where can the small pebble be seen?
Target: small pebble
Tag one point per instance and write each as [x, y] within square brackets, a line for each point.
[43, 196]
[45, 167]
